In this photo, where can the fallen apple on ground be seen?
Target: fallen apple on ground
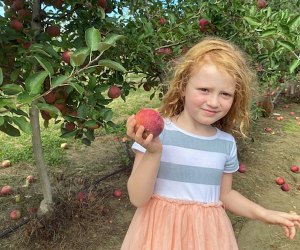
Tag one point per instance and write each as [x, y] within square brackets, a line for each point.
[280, 180]
[294, 168]
[151, 120]
[6, 190]
[285, 187]
[117, 193]
[242, 168]
[268, 130]
[6, 164]
[64, 145]
[15, 214]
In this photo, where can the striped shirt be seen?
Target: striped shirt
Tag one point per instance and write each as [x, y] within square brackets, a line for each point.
[191, 166]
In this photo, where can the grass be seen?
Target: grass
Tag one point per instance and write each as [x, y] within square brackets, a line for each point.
[291, 126]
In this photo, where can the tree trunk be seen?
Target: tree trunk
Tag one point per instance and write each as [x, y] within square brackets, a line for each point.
[46, 205]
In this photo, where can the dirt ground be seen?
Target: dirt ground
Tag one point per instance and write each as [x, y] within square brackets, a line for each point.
[100, 221]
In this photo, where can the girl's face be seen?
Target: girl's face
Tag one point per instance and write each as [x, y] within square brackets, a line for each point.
[208, 95]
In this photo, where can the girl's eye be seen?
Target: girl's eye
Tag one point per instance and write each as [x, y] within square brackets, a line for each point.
[226, 94]
[203, 90]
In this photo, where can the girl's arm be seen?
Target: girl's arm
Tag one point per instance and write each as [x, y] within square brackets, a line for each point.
[146, 165]
[240, 205]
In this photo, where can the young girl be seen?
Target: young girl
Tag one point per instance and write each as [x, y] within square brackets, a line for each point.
[181, 181]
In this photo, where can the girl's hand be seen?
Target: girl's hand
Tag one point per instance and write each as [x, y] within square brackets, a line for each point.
[288, 221]
[152, 145]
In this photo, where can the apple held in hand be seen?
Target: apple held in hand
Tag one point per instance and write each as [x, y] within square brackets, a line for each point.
[151, 120]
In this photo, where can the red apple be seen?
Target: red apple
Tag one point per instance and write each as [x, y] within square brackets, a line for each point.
[58, 3]
[203, 24]
[151, 120]
[30, 178]
[285, 187]
[50, 97]
[268, 130]
[16, 25]
[280, 180]
[6, 163]
[102, 3]
[162, 20]
[114, 92]
[66, 55]
[6, 190]
[117, 193]
[242, 168]
[53, 30]
[80, 196]
[292, 113]
[70, 126]
[261, 4]
[24, 14]
[15, 214]
[26, 45]
[294, 168]
[165, 51]
[45, 115]
[17, 5]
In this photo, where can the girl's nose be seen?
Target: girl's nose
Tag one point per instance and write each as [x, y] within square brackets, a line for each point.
[213, 101]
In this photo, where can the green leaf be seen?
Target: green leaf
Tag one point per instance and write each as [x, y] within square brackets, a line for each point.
[268, 32]
[287, 45]
[34, 83]
[58, 81]
[294, 65]
[252, 21]
[22, 123]
[45, 64]
[92, 38]
[1, 76]
[24, 97]
[69, 134]
[47, 107]
[79, 56]
[295, 23]
[111, 64]
[10, 130]
[1, 120]
[5, 101]
[102, 46]
[113, 38]
[77, 87]
[12, 89]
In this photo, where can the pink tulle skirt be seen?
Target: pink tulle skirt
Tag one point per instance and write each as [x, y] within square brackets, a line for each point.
[169, 224]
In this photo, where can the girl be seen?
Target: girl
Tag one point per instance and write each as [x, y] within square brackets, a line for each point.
[181, 181]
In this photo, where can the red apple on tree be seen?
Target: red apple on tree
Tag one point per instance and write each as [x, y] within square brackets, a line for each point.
[66, 55]
[162, 21]
[203, 23]
[114, 92]
[102, 4]
[17, 5]
[70, 126]
[53, 30]
[16, 25]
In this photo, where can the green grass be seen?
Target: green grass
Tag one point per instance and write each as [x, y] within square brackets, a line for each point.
[291, 126]
[134, 101]
[19, 149]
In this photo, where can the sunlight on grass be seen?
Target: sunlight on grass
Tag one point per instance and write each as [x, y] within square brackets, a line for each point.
[19, 149]
[291, 127]
[134, 101]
